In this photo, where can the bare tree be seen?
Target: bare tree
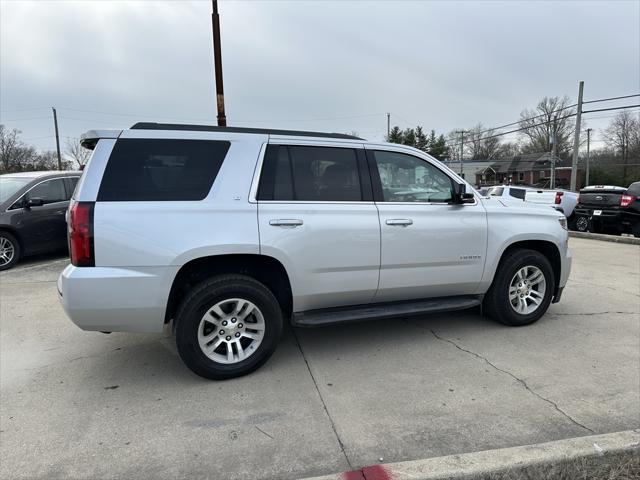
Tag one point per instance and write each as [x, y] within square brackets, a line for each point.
[550, 120]
[14, 154]
[76, 152]
[623, 136]
[482, 144]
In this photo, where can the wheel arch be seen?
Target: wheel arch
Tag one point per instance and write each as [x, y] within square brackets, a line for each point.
[267, 270]
[547, 248]
[14, 232]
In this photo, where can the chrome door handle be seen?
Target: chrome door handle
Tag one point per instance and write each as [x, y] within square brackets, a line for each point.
[399, 222]
[285, 222]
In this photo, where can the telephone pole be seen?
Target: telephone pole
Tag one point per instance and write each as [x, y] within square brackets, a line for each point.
[55, 124]
[217, 59]
[388, 125]
[461, 132]
[586, 180]
[576, 140]
[552, 182]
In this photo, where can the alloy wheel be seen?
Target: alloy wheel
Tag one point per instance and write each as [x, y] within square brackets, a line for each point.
[7, 251]
[231, 331]
[527, 289]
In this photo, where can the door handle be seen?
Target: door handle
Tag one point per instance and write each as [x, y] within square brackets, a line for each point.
[285, 222]
[399, 222]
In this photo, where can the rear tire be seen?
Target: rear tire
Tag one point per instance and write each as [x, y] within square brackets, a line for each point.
[9, 250]
[518, 299]
[228, 326]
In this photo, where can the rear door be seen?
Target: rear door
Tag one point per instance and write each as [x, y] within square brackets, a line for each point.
[430, 247]
[44, 228]
[316, 216]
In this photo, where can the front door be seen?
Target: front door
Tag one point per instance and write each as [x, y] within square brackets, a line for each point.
[430, 247]
[317, 217]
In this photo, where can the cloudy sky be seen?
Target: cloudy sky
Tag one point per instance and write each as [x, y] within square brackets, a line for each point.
[315, 65]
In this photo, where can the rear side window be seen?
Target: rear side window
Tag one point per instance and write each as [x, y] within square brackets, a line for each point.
[517, 193]
[161, 170]
[634, 189]
[321, 174]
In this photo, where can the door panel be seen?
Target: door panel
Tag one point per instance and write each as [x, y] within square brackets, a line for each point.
[330, 251]
[430, 247]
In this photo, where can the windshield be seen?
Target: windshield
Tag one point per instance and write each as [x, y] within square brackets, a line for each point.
[10, 185]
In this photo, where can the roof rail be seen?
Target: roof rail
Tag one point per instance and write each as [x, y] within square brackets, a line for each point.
[263, 131]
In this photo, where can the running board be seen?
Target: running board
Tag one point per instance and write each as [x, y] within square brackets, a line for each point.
[376, 311]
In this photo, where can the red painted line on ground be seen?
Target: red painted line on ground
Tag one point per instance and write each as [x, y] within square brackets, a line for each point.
[374, 472]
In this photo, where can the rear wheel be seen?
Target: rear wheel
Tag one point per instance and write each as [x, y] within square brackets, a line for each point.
[228, 326]
[9, 250]
[581, 223]
[522, 288]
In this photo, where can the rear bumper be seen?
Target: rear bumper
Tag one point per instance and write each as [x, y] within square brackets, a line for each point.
[116, 299]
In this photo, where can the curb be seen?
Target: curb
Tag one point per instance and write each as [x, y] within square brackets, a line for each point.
[476, 464]
[605, 238]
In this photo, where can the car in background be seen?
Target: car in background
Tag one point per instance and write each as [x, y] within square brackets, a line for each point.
[562, 200]
[609, 209]
[32, 213]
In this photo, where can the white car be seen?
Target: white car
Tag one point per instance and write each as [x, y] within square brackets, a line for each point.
[562, 200]
[226, 233]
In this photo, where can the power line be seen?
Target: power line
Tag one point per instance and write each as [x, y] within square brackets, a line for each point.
[612, 108]
[613, 98]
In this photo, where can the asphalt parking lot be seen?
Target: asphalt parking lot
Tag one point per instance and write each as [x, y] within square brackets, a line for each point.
[76, 404]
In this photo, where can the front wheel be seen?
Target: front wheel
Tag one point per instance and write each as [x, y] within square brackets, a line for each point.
[9, 250]
[522, 288]
[228, 327]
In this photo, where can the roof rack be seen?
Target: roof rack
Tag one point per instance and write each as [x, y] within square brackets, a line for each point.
[263, 131]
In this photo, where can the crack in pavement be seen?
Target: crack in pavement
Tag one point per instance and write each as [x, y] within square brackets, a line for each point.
[519, 380]
[324, 405]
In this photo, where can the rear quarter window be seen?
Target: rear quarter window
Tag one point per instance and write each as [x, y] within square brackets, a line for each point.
[634, 189]
[161, 170]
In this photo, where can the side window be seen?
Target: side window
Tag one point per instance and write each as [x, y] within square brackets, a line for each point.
[517, 193]
[51, 191]
[406, 178]
[71, 186]
[161, 170]
[321, 174]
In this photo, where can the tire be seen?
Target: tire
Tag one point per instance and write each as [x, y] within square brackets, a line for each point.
[9, 250]
[636, 230]
[581, 223]
[497, 301]
[197, 321]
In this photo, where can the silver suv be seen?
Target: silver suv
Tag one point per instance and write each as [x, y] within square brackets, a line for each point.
[225, 233]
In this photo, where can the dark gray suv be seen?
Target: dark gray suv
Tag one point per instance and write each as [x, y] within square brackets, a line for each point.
[32, 213]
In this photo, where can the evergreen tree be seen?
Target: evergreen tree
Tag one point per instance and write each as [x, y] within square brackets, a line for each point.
[395, 135]
[409, 137]
[422, 142]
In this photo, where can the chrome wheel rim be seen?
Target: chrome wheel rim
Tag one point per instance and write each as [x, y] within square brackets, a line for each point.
[582, 223]
[526, 290]
[231, 331]
[7, 251]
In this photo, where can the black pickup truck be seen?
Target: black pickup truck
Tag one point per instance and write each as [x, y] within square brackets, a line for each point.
[608, 209]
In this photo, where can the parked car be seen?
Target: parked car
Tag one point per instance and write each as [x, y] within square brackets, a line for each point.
[32, 213]
[562, 200]
[609, 209]
[225, 233]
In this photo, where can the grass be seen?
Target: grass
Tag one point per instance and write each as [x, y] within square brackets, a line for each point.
[622, 466]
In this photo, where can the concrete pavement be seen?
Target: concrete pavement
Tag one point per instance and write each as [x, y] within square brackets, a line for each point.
[87, 405]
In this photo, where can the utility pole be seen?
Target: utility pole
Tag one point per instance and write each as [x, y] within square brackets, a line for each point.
[461, 132]
[586, 184]
[217, 58]
[388, 125]
[576, 140]
[552, 183]
[55, 124]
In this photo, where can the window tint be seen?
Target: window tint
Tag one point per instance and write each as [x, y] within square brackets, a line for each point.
[517, 193]
[154, 169]
[310, 174]
[406, 178]
[71, 185]
[634, 189]
[50, 191]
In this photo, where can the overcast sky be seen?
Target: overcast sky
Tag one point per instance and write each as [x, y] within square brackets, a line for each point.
[316, 65]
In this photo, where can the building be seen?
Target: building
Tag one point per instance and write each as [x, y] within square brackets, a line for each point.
[528, 169]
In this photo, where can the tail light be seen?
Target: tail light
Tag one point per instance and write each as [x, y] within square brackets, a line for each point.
[81, 234]
[626, 200]
[559, 197]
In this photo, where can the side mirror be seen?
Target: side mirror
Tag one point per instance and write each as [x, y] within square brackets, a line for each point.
[35, 202]
[460, 195]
